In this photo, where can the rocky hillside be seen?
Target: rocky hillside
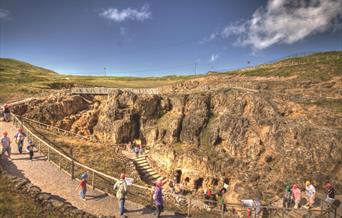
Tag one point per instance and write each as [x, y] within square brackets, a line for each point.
[257, 131]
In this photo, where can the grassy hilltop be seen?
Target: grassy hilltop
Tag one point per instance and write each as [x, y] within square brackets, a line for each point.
[19, 79]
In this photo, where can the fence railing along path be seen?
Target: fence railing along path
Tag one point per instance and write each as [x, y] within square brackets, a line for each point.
[74, 168]
[104, 182]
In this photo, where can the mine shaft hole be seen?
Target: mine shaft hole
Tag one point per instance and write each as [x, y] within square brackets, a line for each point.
[198, 183]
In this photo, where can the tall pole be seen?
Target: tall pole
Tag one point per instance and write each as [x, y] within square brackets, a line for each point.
[195, 68]
[105, 72]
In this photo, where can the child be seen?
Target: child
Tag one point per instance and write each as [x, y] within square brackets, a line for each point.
[83, 185]
[29, 149]
[136, 150]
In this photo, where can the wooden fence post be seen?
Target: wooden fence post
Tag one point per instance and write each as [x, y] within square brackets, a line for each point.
[48, 154]
[72, 164]
[152, 198]
[59, 162]
[93, 181]
[189, 207]
[322, 207]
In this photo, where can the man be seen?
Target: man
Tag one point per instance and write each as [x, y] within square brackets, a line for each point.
[19, 138]
[6, 144]
[6, 112]
[121, 187]
[158, 197]
[330, 190]
[310, 194]
[287, 197]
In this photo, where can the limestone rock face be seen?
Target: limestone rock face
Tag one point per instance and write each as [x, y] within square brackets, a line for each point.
[257, 140]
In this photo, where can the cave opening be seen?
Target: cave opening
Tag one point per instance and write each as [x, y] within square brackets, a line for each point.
[215, 182]
[198, 183]
[178, 176]
[135, 131]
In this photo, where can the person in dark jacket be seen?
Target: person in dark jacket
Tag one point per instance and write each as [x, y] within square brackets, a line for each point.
[330, 190]
[158, 197]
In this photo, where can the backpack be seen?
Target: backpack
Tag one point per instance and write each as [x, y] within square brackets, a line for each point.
[121, 193]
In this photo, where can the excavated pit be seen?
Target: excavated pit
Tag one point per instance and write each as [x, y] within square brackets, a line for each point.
[255, 140]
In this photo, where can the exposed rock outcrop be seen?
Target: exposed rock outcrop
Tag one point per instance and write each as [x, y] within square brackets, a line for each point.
[257, 140]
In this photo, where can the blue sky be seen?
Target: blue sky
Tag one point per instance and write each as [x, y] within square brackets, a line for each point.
[154, 38]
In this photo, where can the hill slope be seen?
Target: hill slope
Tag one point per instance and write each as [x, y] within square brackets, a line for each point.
[19, 79]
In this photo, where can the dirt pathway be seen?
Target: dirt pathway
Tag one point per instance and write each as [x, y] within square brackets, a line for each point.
[50, 179]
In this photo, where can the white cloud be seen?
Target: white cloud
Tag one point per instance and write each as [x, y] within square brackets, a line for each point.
[210, 38]
[285, 21]
[4, 14]
[123, 31]
[214, 57]
[117, 15]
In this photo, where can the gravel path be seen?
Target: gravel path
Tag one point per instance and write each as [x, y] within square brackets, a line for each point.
[50, 179]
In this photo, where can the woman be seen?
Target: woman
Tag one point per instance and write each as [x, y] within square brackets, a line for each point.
[158, 197]
[296, 195]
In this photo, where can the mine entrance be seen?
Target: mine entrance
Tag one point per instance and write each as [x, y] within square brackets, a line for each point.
[178, 175]
[135, 126]
[198, 183]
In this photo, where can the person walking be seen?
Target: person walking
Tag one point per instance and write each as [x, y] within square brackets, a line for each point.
[30, 149]
[6, 113]
[296, 195]
[83, 186]
[6, 144]
[158, 197]
[121, 193]
[330, 190]
[19, 139]
[310, 194]
[287, 197]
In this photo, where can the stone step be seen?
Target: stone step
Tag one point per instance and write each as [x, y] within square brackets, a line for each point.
[160, 177]
[143, 164]
[139, 161]
[149, 173]
[141, 157]
[143, 167]
[153, 177]
[144, 171]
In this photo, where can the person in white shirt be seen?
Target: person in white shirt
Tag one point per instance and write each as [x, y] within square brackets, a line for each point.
[310, 193]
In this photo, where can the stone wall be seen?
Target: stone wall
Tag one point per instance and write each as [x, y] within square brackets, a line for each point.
[46, 200]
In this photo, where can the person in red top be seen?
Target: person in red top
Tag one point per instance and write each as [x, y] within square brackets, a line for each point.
[83, 186]
[296, 195]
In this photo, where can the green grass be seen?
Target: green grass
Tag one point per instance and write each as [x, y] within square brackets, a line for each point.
[319, 67]
[19, 79]
[14, 204]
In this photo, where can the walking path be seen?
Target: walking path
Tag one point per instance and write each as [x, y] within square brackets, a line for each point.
[50, 179]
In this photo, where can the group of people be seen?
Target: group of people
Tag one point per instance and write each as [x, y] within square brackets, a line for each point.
[294, 195]
[121, 189]
[135, 147]
[19, 138]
